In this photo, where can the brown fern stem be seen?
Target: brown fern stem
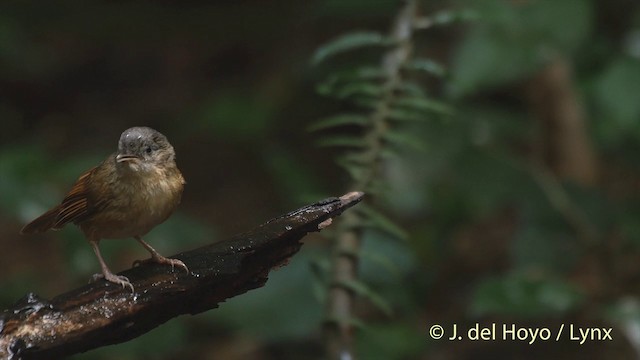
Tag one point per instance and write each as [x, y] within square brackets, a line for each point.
[340, 302]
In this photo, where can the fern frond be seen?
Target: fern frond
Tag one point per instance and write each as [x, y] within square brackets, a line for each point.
[358, 158]
[377, 187]
[356, 171]
[405, 139]
[363, 74]
[406, 115]
[383, 261]
[411, 89]
[377, 220]
[428, 66]
[424, 104]
[339, 120]
[363, 290]
[349, 42]
[342, 141]
[366, 89]
[365, 103]
[446, 17]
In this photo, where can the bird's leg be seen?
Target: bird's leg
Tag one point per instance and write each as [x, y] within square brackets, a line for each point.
[155, 256]
[106, 273]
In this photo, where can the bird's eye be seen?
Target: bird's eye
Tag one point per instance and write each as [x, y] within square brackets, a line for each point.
[148, 150]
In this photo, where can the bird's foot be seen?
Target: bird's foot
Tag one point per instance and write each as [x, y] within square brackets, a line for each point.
[163, 260]
[116, 279]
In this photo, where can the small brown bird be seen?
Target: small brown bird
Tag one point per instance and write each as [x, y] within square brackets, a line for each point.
[129, 193]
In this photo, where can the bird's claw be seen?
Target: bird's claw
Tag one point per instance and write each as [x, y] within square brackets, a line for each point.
[163, 260]
[116, 279]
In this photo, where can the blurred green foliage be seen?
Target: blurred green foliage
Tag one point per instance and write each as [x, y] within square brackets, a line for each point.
[524, 295]
[614, 97]
[516, 40]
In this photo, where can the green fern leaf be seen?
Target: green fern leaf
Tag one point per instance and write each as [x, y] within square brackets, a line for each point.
[411, 89]
[405, 139]
[379, 221]
[362, 289]
[349, 42]
[319, 291]
[427, 65]
[339, 120]
[359, 89]
[400, 114]
[447, 17]
[342, 89]
[320, 268]
[383, 261]
[389, 153]
[424, 104]
[356, 171]
[377, 187]
[342, 140]
[361, 74]
[366, 103]
[358, 158]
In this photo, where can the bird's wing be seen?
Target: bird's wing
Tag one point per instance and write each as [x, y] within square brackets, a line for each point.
[77, 204]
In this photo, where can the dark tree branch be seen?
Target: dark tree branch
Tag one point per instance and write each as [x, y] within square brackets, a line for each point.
[102, 313]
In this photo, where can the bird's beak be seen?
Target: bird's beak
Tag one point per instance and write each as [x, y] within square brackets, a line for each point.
[125, 158]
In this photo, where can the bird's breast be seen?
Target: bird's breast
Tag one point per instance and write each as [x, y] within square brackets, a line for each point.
[138, 202]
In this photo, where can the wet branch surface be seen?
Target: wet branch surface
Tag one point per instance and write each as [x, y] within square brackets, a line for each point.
[102, 313]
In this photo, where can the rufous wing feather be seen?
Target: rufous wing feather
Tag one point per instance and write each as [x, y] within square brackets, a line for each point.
[75, 207]
[43, 223]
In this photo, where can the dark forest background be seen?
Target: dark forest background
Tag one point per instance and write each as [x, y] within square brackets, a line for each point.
[521, 206]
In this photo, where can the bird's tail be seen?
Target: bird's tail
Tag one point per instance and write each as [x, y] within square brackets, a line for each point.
[43, 223]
